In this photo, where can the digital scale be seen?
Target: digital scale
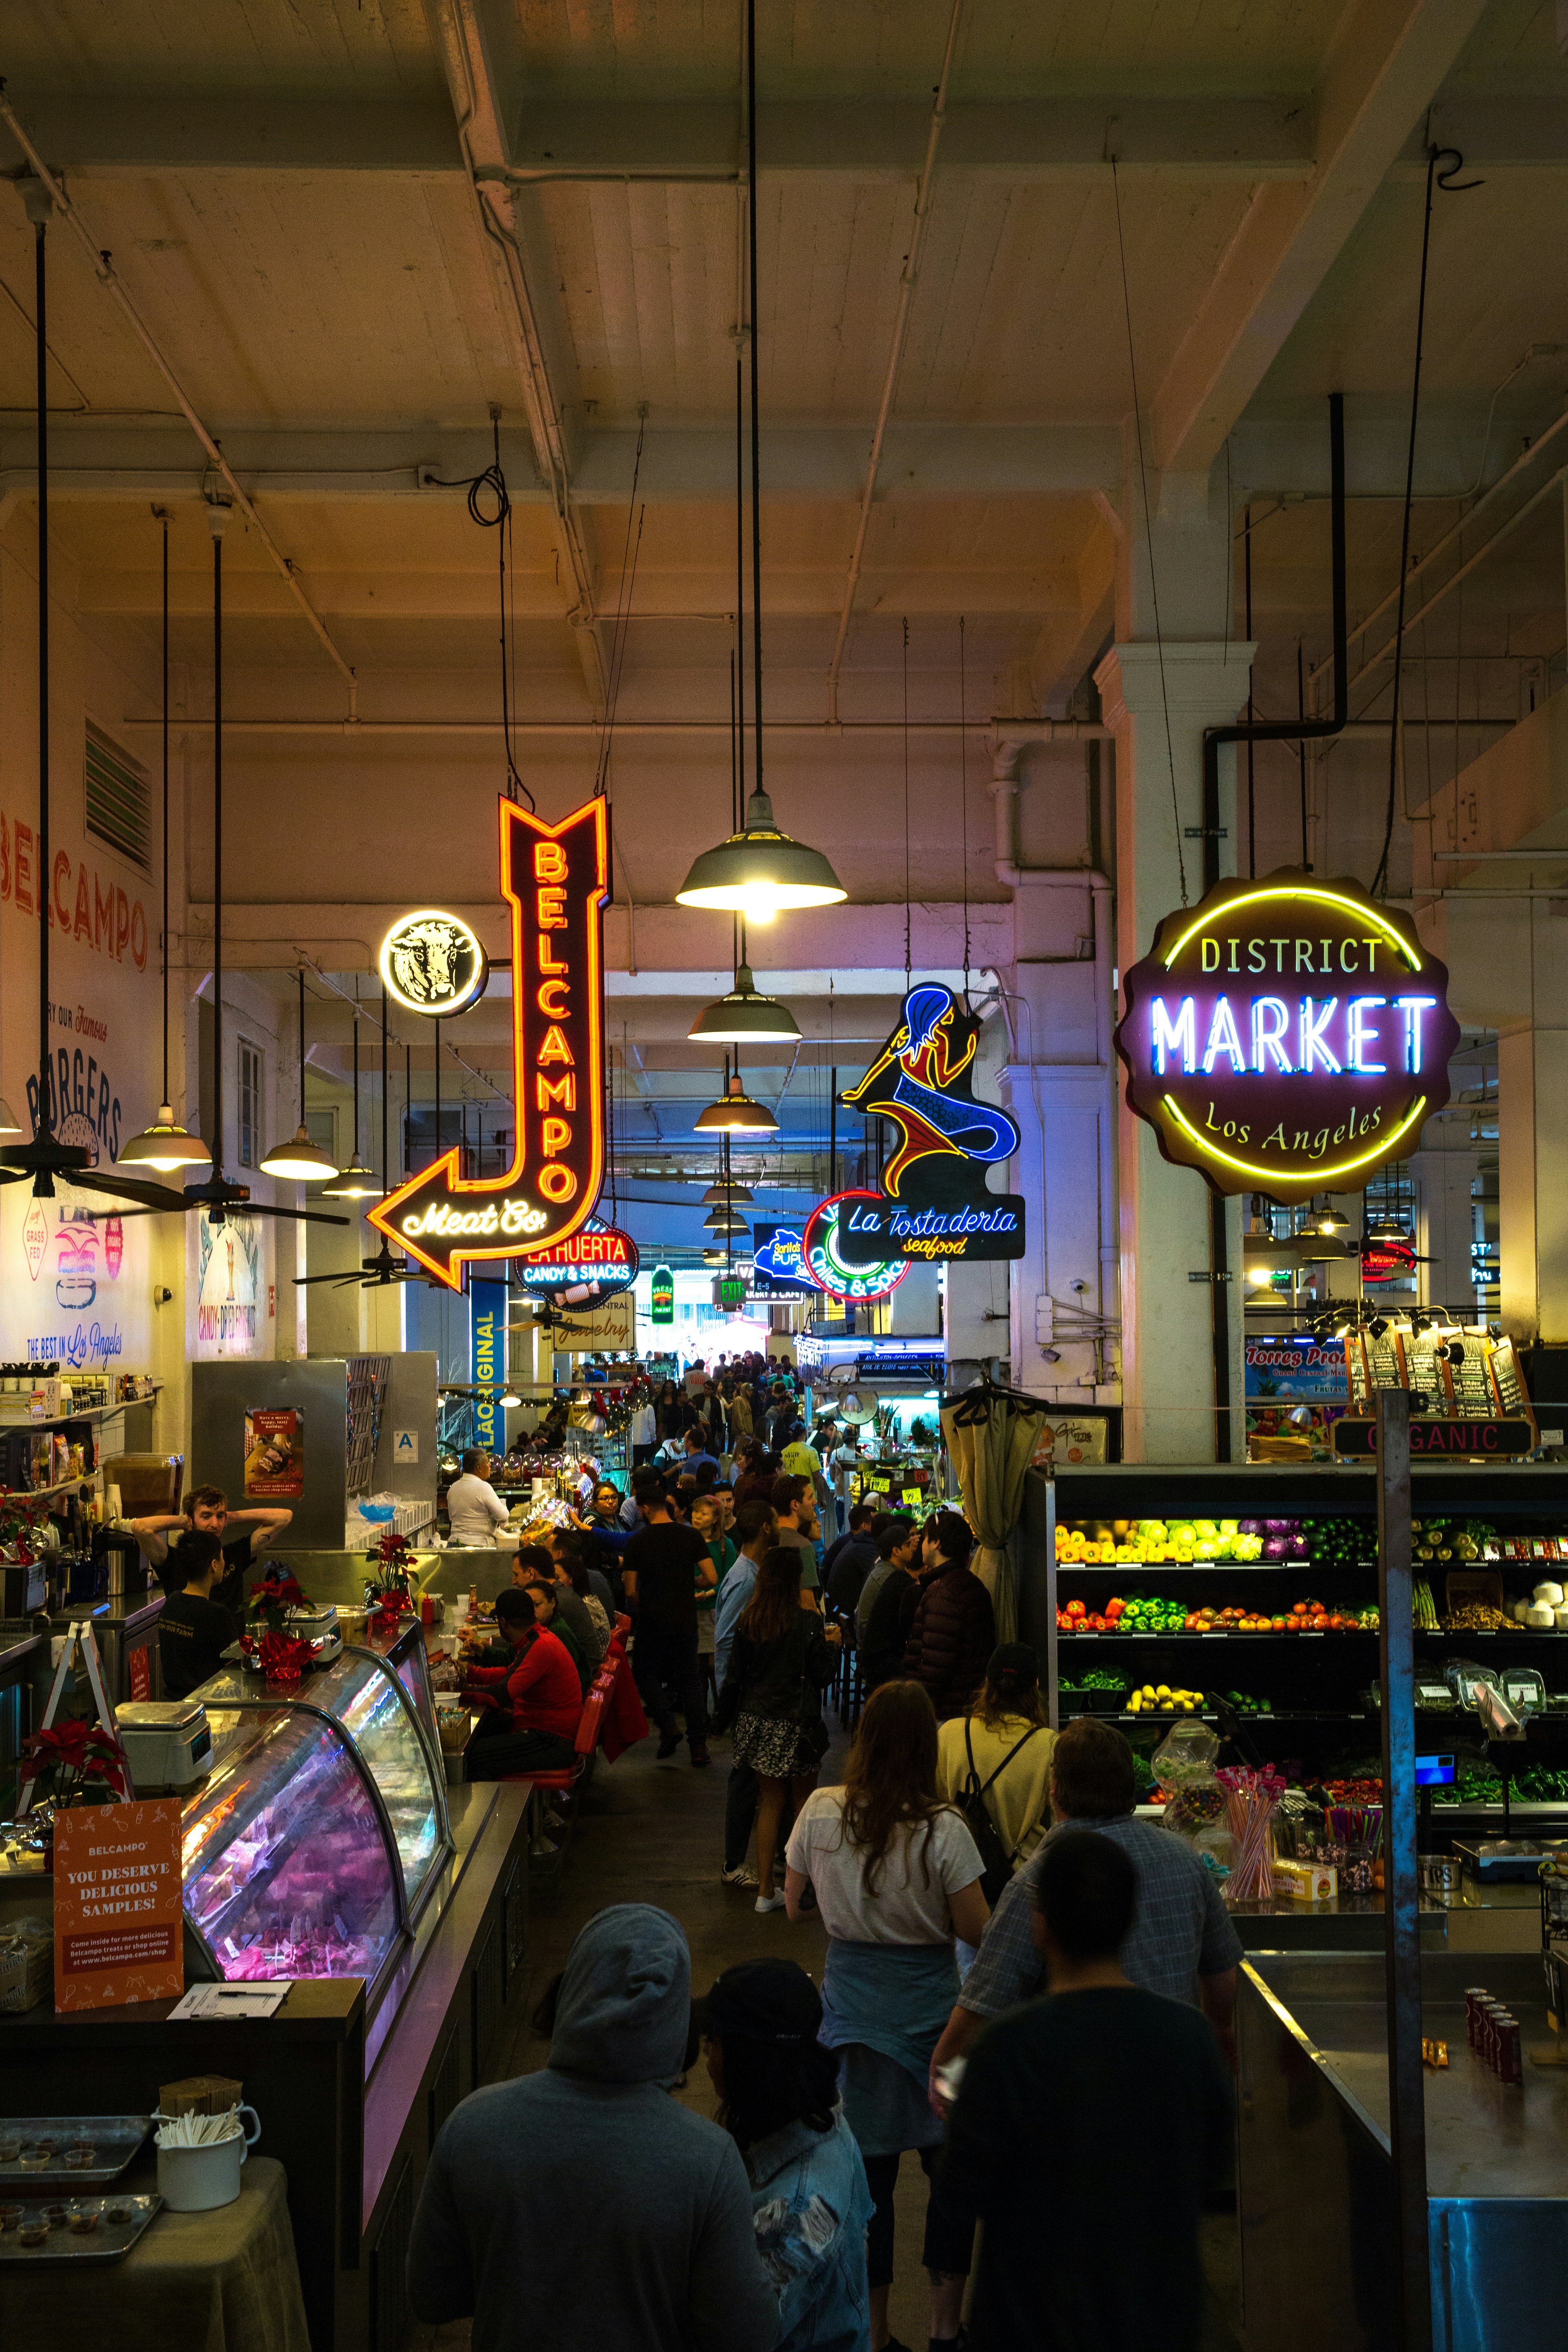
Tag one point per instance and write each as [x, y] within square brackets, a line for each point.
[167, 1742]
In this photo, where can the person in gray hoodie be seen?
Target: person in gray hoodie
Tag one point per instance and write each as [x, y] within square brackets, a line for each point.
[498, 2235]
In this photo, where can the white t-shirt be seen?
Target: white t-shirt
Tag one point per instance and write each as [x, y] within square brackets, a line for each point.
[474, 1509]
[904, 1909]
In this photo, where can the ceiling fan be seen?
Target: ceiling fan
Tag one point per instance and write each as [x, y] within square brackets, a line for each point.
[46, 1157]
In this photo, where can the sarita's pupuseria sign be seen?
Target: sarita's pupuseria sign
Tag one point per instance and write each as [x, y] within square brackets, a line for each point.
[1287, 1035]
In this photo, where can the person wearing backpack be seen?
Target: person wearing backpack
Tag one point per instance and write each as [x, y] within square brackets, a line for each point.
[993, 1764]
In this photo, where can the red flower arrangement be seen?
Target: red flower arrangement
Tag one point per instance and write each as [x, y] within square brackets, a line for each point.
[85, 1763]
[282, 1657]
[279, 1592]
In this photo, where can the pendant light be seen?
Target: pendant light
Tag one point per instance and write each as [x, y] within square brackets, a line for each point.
[357, 1182]
[165, 1144]
[1329, 1220]
[744, 1017]
[299, 1161]
[735, 1113]
[727, 1191]
[757, 869]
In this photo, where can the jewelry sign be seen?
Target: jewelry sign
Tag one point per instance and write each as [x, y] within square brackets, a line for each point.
[1287, 1035]
[555, 880]
[934, 1202]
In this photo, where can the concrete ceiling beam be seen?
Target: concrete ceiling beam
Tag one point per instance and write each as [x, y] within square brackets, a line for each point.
[1388, 63]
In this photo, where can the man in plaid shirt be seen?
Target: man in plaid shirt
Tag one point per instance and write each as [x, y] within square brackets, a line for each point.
[1182, 1942]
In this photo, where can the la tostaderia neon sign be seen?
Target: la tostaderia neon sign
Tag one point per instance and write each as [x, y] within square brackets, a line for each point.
[1287, 1035]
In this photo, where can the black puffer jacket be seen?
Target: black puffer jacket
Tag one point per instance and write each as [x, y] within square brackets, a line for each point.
[952, 1638]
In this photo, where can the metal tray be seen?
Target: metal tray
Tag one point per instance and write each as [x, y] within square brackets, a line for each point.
[1496, 1861]
[109, 2242]
[114, 2138]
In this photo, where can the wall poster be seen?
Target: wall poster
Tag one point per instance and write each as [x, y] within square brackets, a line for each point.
[274, 1453]
[118, 1924]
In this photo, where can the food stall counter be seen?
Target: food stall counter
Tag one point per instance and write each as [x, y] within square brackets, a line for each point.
[1315, 2173]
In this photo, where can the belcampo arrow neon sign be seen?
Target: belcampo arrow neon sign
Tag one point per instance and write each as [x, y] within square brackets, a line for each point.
[555, 880]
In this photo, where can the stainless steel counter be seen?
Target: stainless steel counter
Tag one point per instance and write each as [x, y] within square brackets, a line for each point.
[1316, 2181]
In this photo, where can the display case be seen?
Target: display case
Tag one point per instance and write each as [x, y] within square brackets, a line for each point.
[1279, 1648]
[312, 1846]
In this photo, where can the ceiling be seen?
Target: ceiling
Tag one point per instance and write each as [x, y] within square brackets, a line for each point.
[356, 229]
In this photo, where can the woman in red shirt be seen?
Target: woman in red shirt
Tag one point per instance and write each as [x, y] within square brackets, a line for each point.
[539, 1699]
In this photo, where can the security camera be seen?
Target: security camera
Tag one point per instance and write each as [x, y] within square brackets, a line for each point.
[160, 1297]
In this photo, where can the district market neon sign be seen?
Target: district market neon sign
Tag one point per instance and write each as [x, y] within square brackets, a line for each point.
[555, 880]
[827, 1267]
[1287, 1035]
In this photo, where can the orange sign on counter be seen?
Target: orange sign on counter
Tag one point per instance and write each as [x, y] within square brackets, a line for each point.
[118, 1924]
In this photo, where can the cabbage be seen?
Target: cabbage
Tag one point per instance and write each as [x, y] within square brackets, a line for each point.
[1275, 1547]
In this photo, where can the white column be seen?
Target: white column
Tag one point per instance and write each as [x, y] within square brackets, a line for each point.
[1160, 701]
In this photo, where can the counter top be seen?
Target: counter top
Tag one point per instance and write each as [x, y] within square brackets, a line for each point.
[1484, 2137]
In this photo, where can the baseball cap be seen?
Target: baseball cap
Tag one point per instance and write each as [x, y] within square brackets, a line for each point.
[769, 2000]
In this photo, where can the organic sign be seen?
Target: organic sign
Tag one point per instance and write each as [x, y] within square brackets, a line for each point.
[934, 1202]
[662, 1295]
[825, 1262]
[118, 1923]
[555, 880]
[1497, 1439]
[1286, 1036]
[592, 1263]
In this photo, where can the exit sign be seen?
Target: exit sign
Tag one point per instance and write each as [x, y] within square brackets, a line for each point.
[730, 1289]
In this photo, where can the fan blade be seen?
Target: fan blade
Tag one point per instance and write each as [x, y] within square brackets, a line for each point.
[292, 1216]
[13, 1175]
[160, 1197]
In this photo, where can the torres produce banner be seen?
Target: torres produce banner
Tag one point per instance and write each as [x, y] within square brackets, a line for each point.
[1287, 1035]
[934, 1202]
[555, 880]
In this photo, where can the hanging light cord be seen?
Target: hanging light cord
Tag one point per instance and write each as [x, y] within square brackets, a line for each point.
[45, 1122]
[964, 799]
[163, 514]
[1148, 531]
[756, 449]
[482, 488]
[301, 1045]
[1445, 180]
[908, 960]
[630, 554]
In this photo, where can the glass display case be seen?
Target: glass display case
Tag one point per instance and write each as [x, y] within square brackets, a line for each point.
[322, 1826]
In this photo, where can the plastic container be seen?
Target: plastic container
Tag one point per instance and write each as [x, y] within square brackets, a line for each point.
[198, 2179]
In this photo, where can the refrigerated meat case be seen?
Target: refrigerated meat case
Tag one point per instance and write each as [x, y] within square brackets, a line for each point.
[1322, 1686]
[313, 1845]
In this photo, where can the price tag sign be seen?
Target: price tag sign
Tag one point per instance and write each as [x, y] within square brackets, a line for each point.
[882, 1486]
[914, 1497]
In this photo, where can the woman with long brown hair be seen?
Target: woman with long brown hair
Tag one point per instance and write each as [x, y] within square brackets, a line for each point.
[895, 1874]
[780, 1663]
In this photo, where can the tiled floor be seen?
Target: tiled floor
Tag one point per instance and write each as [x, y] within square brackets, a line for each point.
[652, 1833]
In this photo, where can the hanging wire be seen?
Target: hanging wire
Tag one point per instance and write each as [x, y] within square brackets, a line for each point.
[907, 962]
[630, 554]
[1148, 532]
[163, 513]
[1447, 182]
[482, 488]
[964, 799]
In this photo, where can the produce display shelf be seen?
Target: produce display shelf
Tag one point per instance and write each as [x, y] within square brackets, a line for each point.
[1360, 1634]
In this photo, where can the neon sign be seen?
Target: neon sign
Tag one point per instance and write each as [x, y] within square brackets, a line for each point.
[777, 1266]
[432, 964]
[555, 880]
[934, 1202]
[1287, 1035]
[825, 1263]
[594, 1263]
[662, 1295]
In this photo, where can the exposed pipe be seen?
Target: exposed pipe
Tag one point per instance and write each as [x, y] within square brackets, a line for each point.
[1278, 730]
[896, 356]
[594, 727]
[104, 271]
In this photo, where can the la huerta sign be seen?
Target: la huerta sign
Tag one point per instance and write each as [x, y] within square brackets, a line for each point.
[1287, 1035]
[934, 1202]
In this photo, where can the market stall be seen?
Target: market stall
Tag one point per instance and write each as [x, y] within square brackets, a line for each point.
[1246, 1598]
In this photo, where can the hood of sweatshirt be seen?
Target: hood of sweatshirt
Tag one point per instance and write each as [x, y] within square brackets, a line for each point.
[625, 2006]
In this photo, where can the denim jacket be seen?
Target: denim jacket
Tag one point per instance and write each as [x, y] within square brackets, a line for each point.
[810, 2208]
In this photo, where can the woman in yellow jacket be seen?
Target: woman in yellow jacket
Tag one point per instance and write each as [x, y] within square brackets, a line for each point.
[1005, 1734]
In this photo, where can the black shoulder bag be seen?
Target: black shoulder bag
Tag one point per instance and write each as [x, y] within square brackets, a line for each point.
[995, 1859]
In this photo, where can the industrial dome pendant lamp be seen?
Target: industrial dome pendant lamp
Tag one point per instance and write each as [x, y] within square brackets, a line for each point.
[165, 1145]
[746, 1017]
[759, 869]
[299, 1160]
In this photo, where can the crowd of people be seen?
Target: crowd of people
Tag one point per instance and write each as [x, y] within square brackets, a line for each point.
[970, 1862]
